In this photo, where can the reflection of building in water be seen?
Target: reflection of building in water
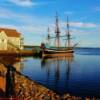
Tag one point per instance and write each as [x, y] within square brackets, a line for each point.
[2, 78]
[19, 66]
[6, 73]
[10, 81]
[14, 61]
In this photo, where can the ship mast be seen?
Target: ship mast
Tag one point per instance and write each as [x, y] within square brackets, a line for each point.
[57, 31]
[68, 34]
[48, 37]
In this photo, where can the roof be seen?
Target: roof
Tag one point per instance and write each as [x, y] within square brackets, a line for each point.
[10, 32]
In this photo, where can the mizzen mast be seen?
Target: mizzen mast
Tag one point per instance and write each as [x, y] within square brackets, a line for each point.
[68, 34]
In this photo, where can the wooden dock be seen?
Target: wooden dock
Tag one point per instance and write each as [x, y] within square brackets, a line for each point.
[17, 53]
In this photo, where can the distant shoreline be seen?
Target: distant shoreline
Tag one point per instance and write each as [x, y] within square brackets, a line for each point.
[26, 46]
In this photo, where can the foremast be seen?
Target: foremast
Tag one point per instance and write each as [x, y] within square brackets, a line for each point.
[48, 36]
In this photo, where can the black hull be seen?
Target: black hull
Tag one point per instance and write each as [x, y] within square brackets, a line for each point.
[57, 53]
[53, 52]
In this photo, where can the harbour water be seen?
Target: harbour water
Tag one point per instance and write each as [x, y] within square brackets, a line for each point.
[78, 75]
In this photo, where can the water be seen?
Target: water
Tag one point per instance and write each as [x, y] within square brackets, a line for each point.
[78, 75]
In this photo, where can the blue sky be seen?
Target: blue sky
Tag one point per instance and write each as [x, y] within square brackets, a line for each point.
[33, 17]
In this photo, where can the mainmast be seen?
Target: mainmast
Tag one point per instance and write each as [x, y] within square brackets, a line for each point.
[68, 34]
[57, 31]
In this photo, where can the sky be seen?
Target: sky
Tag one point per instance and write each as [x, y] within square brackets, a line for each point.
[33, 17]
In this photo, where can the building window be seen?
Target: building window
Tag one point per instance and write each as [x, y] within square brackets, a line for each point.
[0, 41]
[3, 40]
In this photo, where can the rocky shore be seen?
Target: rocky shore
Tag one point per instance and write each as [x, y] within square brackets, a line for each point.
[26, 89]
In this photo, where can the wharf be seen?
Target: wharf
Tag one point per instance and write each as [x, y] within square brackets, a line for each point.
[17, 53]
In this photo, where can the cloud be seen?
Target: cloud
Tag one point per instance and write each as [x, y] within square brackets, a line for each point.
[34, 29]
[83, 25]
[26, 29]
[33, 24]
[4, 13]
[8, 26]
[68, 12]
[24, 3]
[80, 24]
[8, 14]
[97, 9]
[29, 32]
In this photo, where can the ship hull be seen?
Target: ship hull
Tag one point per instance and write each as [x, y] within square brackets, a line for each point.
[57, 53]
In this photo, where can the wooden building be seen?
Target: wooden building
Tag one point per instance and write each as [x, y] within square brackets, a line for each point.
[10, 39]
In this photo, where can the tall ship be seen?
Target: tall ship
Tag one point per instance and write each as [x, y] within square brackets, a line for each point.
[58, 50]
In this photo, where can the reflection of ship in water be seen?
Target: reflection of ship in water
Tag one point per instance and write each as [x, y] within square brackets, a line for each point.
[8, 66]
[58, 69]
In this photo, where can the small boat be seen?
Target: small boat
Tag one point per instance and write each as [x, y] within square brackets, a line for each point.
[58, 50]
